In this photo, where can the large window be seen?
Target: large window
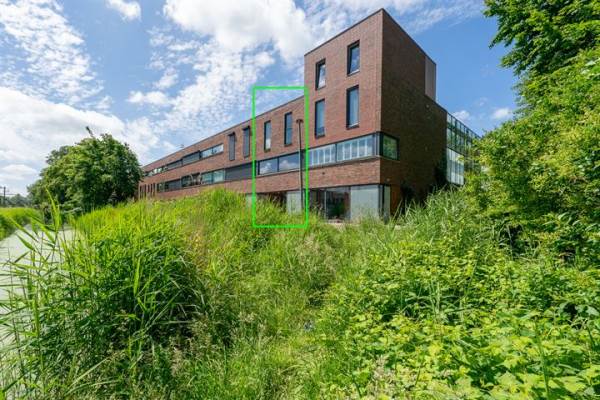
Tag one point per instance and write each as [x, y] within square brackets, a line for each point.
[288, 128]
[287, 163]
[190, 158]
[389, 147]
[232, 147]
[321, 72]
[352, 104]
[320, 118]
[355, 148]
[322, 155]
[267, 135]
[213, 177]
[246, 141]
[267, 166]
[353, 58]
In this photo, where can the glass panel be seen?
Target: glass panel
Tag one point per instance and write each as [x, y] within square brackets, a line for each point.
[246, 139]
[364, 202]
[356, 148]
[354, 58]
[219, 176]
[322, 155]
[267, 166]
[321, 75]
[190, 158]
[337, 203]
[320, 118]
[207, 178]
[390, 147]
[352, 107]
[288, 128]
[287, 163]
[267, 135]
[217, 149]
[231, 147]
[293, 202]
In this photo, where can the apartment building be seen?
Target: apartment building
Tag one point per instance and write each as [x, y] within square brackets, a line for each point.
[378, 137]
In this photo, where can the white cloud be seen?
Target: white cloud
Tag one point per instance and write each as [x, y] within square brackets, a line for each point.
[129, 10]
[237, 25]
[502, 113]
[32, 127]
[53, 50]
[154, 98]
[462, 115]
[168, 79]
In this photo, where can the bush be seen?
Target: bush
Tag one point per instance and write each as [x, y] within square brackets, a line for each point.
[11, 218]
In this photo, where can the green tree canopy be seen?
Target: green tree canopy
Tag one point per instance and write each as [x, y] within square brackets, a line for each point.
[93, 173]
[544, 33]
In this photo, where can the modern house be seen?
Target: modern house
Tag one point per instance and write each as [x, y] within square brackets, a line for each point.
[377, 136]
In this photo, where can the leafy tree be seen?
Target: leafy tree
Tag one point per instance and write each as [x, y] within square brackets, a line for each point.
[543, 168]
[544, 34]
[90, 174]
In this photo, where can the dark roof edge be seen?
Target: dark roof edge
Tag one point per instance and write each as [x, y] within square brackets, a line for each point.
[223, 131]
[346, 30]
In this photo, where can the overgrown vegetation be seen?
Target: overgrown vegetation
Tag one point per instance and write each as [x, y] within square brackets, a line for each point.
[10, 218]
[487, 292]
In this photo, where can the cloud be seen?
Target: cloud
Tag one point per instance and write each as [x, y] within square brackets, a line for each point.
[237, 25]
[56, 63]
[462, 115]
[154, 98]
[129, 10]
[168, 79]
[502, 113]
[32, 127]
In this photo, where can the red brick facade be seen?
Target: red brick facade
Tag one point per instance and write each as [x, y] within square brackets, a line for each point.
[392, 80]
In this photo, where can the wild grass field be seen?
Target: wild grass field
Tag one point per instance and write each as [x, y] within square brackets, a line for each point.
[184, 300]
[20, 215]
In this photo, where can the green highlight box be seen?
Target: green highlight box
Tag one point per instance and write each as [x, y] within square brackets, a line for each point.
[306, 150]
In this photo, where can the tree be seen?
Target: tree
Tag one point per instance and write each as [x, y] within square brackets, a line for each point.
[93, 173]
[544, 34]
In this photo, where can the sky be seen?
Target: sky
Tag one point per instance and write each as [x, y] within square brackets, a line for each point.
[162, 74]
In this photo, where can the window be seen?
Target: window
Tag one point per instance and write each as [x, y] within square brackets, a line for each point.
[206, 178]
[320, 118]
[267, 166]
[352, 107]
[322, 155]
[232, 147]
[218, 149]
[173, 165]
[219, 176]
[246, 139]
[321, 72]
[287, 163]
[288, 129]
[190, 158]
[353, 58]
[268, 135]
[389, 147]
[355, 148]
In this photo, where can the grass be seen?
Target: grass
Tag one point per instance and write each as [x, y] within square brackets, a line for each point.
[8, 217]
[185, 300]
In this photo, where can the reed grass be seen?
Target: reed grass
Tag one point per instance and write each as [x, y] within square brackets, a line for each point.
[11, 218]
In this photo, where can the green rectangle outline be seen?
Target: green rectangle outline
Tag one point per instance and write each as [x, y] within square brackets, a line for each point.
[306, 150]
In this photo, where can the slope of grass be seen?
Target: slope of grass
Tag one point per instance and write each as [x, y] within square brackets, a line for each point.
[20, 215]
[185, 300]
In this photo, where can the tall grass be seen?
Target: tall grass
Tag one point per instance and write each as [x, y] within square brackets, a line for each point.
[10, 218]
[185, 300]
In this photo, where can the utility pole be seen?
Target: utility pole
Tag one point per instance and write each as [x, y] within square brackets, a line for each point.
[3, 195]
[299, 121]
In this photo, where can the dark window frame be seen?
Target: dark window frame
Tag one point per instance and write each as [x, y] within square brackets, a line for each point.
[351, 47]
[285, 129]
[348, 91]
[318, 66]
[319, 131]
[381, 146]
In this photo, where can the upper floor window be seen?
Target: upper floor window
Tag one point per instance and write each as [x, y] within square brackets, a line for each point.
[320, 118]
[246, 139]
[352, 104]
[321, 72]
[232, 147]
[389, 147]
[288, 129]
[267, 135]
[353, 58]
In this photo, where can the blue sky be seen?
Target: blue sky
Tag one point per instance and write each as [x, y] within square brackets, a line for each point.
[159, 74]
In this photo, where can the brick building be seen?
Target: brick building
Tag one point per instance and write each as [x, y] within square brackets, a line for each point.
[377, 135]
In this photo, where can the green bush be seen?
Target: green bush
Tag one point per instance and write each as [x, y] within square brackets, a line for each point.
[10, 218]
